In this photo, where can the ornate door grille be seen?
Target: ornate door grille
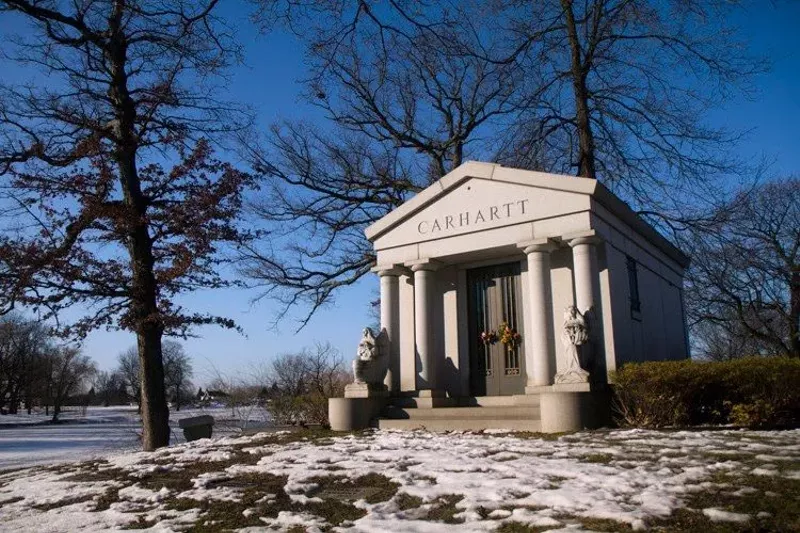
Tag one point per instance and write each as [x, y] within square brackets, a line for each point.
[494, 298]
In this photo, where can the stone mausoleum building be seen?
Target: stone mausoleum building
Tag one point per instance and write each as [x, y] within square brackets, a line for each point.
[507, 297]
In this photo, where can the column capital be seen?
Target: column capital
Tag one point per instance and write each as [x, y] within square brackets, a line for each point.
[545, 244]
[430, 265]
[583, 237]
[389, 270]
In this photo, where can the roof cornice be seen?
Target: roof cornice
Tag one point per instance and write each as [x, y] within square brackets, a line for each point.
[542, 180]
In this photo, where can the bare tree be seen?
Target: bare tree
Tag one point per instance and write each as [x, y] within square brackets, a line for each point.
[177, 372]
[70, 370]
[744, 283]
[113, 200]
[303, 383]
[403, 111]
[630, 84]
[617, 90]
[110, 388]
[130, 370]
[23, 344]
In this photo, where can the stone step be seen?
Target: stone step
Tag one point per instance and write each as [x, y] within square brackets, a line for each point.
[462, 424]
[422, 403]
[498, 412]
[492, 401]
[467, 401]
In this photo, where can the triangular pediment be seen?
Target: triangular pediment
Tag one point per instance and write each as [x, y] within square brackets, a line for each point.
[481, 197]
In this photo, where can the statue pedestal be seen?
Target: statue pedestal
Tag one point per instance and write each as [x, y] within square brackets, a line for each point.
[352, 413]
[366, 390]
[574, 407]
[364, 399]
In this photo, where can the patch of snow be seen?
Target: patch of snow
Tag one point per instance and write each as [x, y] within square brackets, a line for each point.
[745, 491]
[288, 518]
[137, 493]
[719, 515]
[768, 458]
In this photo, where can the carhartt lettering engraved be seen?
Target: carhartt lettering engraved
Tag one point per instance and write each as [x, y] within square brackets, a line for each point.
[474, 217]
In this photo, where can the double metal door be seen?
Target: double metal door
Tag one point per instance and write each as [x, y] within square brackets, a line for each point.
[496, 368]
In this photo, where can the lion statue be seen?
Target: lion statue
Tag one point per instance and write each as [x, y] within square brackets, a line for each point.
[372, 362]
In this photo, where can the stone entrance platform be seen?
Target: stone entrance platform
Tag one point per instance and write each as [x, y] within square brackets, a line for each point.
[556, 409]
[517, 413]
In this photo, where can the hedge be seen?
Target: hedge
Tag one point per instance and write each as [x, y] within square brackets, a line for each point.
[754, 392]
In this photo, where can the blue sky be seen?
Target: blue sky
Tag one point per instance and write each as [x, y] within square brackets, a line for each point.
[269, 83]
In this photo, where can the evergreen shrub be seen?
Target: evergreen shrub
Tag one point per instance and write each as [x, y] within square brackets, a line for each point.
[754, 392]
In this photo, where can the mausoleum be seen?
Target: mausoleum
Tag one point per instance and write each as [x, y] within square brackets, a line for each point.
[507, 298]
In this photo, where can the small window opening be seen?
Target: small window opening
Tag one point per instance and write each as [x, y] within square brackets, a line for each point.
[633, 286]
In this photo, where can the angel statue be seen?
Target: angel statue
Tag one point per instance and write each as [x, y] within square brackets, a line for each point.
[574, 335]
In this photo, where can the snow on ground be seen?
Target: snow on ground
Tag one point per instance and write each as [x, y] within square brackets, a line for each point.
[26, 446]
[631, 477]
[71, 415]
[27, 440]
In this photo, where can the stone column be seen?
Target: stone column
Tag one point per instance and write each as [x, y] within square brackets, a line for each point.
[424, 286]
[390, 321]
[539, 344]
[585, 273]
[587, 295]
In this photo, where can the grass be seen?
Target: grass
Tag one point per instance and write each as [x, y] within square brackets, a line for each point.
[519, 527]
[600, 458]
[332, 500]
[63, 502]
[444, 509]
[11, 500]
[784, 508]
[228, 515]
[141, 523]
[382, 488]
[406, 501]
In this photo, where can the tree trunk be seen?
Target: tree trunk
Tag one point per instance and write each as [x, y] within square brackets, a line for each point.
[794, 313]
[155, 413]
[144, 310]
[13, 405]
[586, 155]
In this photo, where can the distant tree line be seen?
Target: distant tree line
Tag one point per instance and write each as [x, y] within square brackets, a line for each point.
[293, 389]
[36, 370]
[743, 287]
[39, 371]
